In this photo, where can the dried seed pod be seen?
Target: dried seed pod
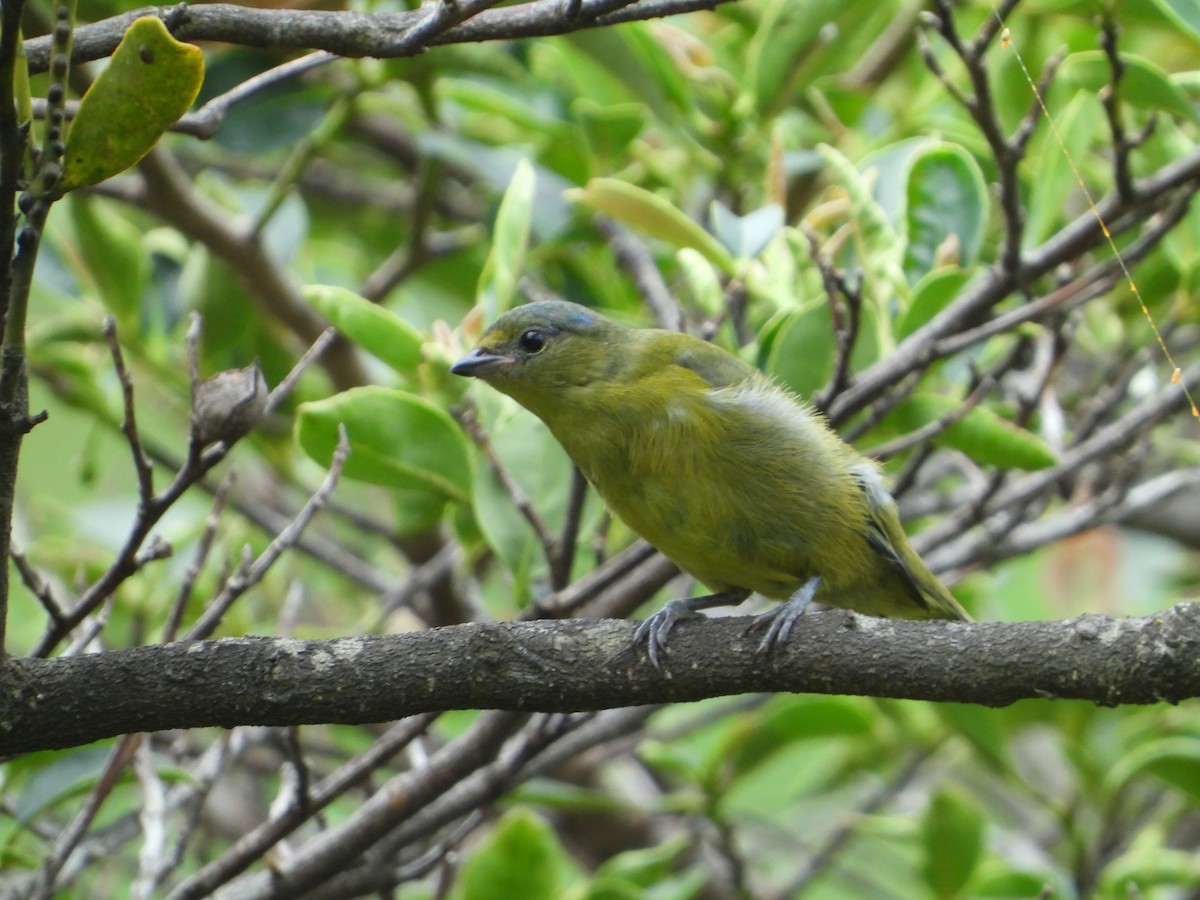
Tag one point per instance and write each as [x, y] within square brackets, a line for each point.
[229, 405]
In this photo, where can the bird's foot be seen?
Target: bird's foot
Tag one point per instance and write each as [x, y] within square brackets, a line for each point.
[780, 620]
[655, 629]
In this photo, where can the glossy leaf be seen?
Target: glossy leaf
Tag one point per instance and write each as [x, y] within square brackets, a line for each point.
[379, 331]
[1175, 760]
[952, 834]
[149, 82]
[1184, 13]
[520, 858]
[1054, 181]
[745, 236]
[800, 349]
[1143, 84]
[510, 238]
[396, 439]
[984, 436]
[930, 296]
[652, 215]
[113, 256]
[702, 280]
[946, 200]
[541, 467]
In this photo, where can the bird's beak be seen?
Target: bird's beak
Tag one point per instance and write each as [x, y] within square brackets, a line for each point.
[479, 363]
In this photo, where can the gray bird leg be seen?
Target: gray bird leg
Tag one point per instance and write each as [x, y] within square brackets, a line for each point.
[655, 629]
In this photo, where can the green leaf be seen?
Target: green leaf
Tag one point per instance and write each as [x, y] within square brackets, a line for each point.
[540, 466]
[1175, 760]
[983, 435]
[113, 255]
[645, 867]
[633, 57]
[653, 215]
[1054, 180]
[379, 331]
[1143, 84]
[787, 721]
[799, 348]
[21, 92]
[952, 834]
[520, 858]
[745, 236]
[930, 296]
[702, 281]
[149, 82]
[510, 238]
[946, 195]
[1184, 13]
[608, 129]
[396, 439]
[879, 249]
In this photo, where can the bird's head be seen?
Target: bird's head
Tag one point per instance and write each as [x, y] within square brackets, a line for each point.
[539, 352]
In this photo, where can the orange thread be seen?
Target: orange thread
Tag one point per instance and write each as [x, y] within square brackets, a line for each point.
[1176, 373]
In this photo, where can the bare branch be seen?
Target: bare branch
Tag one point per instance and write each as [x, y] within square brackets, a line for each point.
[571, 665]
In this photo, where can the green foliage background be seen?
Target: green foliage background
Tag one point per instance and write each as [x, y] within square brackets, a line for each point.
[483, 167]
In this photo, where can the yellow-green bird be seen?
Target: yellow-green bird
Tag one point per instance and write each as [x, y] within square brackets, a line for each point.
[730, 475]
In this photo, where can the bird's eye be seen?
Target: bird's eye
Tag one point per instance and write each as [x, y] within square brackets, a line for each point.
[531, 341]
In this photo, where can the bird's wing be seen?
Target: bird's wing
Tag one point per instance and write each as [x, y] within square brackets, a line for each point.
[718, 368]
[886, 536]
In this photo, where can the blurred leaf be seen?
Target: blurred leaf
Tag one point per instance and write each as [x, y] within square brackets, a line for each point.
[1011, 885]
[377, 330]
[952, 835]
[415, 511]
[609, 129]
[647, 873]
[632, 56]
[983, 727]
[653, 215]
[1054, 180]
[396, 439]
[541, 467]
[645, 867]
[980, 433]
[880, 250]
[933, 293]
[21, 94]
[60, 777]
[799, 348]
[1175, 760]
[745, 236]
[1143, 84]
[705, 286]
[274, 117]
[784, 38]
[510, 237]
[113, 256]
[520, 858]
[1184, 13]
[149, 82]
[792, 719]
[946, 197]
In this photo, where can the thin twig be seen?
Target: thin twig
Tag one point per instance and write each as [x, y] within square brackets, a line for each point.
[37, 585]
[203, 548]
[141, 464]
[251, 572]
[516, 493]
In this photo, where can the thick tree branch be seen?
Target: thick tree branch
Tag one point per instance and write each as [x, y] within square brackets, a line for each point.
[355, 34]
[577, 665]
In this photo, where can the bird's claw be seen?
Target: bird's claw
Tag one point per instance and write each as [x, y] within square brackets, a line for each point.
[780, 620]
[655, 629]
